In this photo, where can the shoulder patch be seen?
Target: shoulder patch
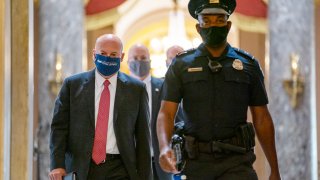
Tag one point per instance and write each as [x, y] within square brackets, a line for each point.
[185, 52]
[245, 54]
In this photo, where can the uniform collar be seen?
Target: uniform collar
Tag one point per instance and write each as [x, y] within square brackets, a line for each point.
[202, 51]
[229, 52]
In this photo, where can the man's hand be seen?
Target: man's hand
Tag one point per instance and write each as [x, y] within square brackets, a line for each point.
[167, 161]
[165, 126]
[57, 174]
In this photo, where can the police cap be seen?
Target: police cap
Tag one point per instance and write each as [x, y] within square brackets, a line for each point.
[211, 7]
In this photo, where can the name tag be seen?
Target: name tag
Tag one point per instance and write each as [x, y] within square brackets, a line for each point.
[214, 1]
[196, 69]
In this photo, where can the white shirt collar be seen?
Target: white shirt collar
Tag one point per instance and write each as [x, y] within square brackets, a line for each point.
[147, 79]
[100, 80]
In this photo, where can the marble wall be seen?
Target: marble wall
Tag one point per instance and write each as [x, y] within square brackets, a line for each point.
[291, 25]
[317, 24]
[2, 21]
[61, 27]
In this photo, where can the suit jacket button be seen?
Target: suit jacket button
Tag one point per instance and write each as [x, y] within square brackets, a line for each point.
[88, 153]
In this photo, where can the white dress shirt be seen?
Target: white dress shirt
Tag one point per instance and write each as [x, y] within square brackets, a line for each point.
[111, 147]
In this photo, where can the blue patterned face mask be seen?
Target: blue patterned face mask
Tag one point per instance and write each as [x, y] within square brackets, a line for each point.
[107, 65]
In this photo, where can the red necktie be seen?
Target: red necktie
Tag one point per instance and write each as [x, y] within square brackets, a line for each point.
[100, 136]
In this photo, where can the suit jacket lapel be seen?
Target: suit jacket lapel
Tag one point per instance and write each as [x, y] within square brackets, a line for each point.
[89, 91]
[118, 101]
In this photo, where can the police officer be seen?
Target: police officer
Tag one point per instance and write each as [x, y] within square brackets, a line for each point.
[217, 84]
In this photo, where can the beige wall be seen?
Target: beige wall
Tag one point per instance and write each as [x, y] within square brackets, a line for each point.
[2, 85]
[254, 43]
[19, 91]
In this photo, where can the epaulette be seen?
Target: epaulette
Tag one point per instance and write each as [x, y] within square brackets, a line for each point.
[244, 54]
[185, 52]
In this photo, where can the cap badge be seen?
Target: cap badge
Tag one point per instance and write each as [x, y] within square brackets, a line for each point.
[237, 64]
[214, 1]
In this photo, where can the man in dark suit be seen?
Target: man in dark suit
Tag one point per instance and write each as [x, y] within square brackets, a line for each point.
[139, 66]
[100, 123]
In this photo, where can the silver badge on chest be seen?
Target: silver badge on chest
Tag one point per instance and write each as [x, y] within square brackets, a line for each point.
[237, 64]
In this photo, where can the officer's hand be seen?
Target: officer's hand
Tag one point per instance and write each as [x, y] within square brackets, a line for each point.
[57, 174]
[274, 176]
[167, 160]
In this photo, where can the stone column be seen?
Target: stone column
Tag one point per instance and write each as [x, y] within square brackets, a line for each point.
[2, 32]
[21, 111]
[291, 25]
[60, 32]
[317, 21]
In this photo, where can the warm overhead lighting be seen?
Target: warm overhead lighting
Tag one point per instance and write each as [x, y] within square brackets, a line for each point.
[177, 35]
[294, 86]
[56, 82]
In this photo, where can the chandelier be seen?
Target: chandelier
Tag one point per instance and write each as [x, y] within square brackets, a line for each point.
[177, 35]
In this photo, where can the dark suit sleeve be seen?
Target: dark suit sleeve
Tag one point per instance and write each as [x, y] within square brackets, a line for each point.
[59, 128]
[142, 134]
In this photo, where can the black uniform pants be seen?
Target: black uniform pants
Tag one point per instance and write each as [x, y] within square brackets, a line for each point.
[112, 169]
[221, 167]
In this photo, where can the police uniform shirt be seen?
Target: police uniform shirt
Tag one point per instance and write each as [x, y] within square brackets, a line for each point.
[214, 103]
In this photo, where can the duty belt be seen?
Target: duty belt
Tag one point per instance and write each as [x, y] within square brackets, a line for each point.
[243, 141]
[219, 147]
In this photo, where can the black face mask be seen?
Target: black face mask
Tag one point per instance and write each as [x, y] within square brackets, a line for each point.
[214, 36]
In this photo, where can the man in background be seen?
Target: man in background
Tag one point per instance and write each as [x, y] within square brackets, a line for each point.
[139, 66]
[172, 52]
